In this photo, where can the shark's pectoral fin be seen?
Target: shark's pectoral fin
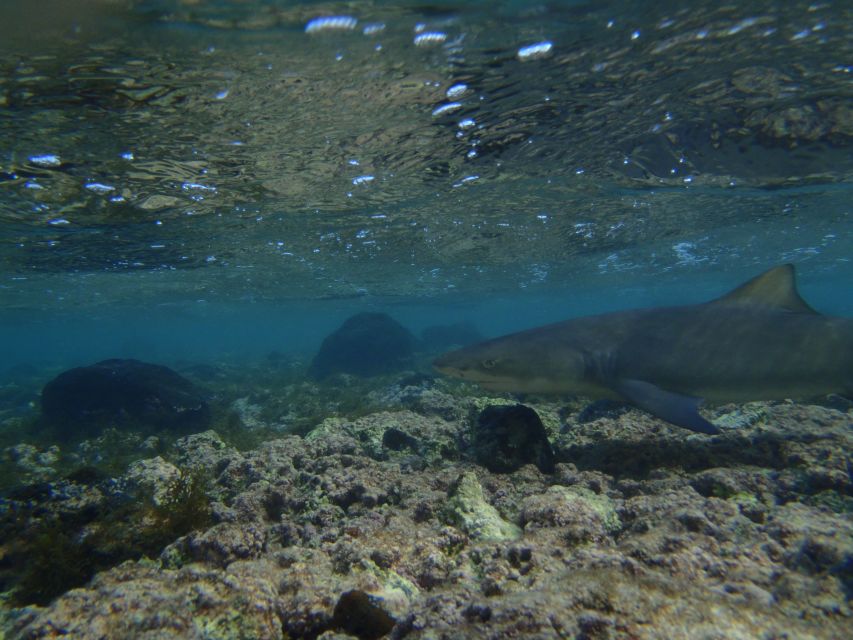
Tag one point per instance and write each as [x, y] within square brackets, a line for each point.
[678, 409]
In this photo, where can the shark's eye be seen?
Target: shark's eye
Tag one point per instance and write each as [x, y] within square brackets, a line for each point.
[489, 364]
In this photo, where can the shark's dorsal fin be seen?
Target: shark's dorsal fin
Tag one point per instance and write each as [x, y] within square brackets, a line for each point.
[774, 288]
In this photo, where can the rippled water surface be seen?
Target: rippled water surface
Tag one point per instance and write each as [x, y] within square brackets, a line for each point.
[174, 151]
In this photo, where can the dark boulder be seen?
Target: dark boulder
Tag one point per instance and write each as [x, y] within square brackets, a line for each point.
[398, 440]
[367, 344]
[361, 615]
[508, 437]
[124, 394]
[444, 336]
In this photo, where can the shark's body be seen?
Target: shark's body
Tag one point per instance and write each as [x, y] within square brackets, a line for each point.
[759, 342]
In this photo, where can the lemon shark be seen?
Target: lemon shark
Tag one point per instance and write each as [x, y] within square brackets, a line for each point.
[761, 341]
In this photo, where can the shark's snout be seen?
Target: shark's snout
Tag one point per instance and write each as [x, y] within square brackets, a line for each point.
[450, 364]
[439, 364]
[444, 365]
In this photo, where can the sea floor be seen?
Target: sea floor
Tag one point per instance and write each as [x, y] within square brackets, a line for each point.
[364, 509]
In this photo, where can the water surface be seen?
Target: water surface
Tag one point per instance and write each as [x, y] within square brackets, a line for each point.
[241, 176]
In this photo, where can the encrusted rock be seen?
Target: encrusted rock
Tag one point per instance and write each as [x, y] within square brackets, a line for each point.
[582, 516]
[743, 536]
[468, 509]
[153, 476]
[222, 544]
[204, 450]
[138, 600]
[33, 464]
[392, 435]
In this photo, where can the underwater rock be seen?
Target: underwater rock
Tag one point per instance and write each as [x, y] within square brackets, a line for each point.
[445, 336]
[205, 449]
[124, 393]
[367, 344]
[153, 476]
[32, 464]
[221, 545]
[581, 515]
[141, 600]
[677, 551]
[86, 476]
[508, 437]
[468, 509]
[362, 616]
[248, 412]
[406, 392]
[813, 541]
[392, 435]
[443, 405]
[397, 440]
[204, 372]
[839, 403]
[742, 416]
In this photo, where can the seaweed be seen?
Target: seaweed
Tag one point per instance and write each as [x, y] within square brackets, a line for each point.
[185, 507]
[46, 558]
[54, 563]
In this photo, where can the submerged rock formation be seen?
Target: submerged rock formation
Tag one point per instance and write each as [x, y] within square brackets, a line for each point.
[122, 393]
[380, 526]
[507, 437]
[367, 344]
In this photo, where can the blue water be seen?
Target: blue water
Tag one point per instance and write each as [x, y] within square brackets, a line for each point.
[206, 332]
[183, 182]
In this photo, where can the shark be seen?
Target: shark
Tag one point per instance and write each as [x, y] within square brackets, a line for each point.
[760, 341]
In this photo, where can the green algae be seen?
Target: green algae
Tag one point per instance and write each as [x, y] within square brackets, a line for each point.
[599, 503]
[394, 587]
[47, 557]
[743, 416]
[744, 499]
[831, 499]
[468, 510]
[229, 625]
[185, 505]
[55, 564]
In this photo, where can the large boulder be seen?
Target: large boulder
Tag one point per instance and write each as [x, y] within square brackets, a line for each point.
[124, 394]
[367, 344]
